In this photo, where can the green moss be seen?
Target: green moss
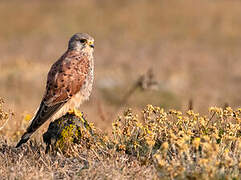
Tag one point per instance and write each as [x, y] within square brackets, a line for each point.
[72, 129]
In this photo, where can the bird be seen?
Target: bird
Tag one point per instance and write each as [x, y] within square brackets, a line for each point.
[69, 83]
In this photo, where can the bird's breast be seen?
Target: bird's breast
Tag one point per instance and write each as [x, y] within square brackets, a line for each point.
[86, 86]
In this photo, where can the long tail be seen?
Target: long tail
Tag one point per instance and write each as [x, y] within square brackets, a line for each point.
[24, 139]
[43, 114]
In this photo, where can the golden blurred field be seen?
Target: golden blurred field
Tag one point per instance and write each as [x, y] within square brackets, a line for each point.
[193, 48]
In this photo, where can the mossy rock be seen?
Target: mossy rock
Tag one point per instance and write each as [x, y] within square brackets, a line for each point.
[69, 129]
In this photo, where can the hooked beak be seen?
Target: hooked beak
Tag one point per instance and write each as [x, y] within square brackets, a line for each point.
[91, 44]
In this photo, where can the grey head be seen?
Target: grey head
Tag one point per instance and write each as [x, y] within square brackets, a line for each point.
[81, 41]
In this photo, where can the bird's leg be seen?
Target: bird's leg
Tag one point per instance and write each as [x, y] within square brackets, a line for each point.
[76, 112]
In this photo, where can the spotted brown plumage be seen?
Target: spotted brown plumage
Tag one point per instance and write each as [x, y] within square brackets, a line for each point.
[69, 83]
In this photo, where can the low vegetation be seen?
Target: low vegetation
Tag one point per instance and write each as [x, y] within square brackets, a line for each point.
[158, 144]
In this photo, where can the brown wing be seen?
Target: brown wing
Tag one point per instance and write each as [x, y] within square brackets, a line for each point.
[65, 79]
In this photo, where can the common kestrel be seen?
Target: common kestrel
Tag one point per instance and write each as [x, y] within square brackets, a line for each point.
[69, 83]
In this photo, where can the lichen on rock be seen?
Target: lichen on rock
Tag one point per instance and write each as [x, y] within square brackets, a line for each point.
[72, 128]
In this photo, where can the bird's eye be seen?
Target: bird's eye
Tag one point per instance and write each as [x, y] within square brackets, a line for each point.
[83, 40]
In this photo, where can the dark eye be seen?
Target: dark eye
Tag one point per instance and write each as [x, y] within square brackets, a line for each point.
[82, 40]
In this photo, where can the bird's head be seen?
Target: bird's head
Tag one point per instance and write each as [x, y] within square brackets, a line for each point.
[81, 42]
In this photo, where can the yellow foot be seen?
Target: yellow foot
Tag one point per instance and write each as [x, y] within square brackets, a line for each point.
[76, 112]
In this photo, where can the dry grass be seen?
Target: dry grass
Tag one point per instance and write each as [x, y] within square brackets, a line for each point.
[159, 144]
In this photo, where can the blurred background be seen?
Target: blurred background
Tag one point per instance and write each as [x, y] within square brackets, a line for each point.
[192, 48]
